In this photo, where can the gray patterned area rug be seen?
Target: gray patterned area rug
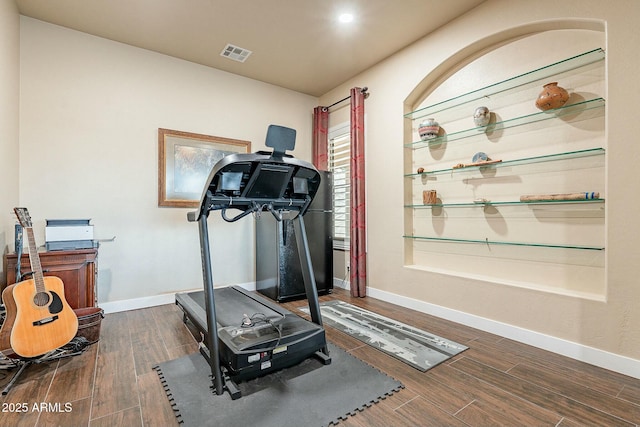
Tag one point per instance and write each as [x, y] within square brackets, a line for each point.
[417, 348]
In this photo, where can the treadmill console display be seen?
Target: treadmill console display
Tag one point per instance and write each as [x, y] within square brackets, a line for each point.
[257, 181]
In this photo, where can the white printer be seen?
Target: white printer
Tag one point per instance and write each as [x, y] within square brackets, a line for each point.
[68, 234]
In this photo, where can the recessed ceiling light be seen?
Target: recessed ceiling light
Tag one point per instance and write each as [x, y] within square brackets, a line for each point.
[345, 18]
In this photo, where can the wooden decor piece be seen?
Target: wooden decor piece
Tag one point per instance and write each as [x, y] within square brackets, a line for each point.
[559, 197]
[483, 163]
[429, 197]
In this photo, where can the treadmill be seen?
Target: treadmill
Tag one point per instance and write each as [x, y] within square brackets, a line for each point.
[245, 335]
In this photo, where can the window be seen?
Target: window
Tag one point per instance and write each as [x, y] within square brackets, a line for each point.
[339, 165]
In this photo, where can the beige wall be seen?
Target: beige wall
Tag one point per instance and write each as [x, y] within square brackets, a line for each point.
[90, 110]
[9, 101]
[613, 325]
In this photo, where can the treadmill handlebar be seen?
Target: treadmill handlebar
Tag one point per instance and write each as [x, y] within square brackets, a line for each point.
[277, 214]
[242, 214]
[249, 206]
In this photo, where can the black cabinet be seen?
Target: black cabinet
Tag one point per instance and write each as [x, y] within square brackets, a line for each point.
[278, 269]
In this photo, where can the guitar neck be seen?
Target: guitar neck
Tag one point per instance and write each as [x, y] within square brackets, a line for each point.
[34, 258]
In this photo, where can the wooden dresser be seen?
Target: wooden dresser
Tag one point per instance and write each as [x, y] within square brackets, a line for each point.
[76, 268]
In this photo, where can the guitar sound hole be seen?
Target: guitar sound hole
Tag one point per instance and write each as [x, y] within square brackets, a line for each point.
[41, 299]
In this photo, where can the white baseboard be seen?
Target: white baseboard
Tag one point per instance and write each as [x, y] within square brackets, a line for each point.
[341, 283]
[137, 303]
[604, 359]
[152, 301]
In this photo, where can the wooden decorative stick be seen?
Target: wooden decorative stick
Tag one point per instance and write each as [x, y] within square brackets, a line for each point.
[589, 195]
[468, 165]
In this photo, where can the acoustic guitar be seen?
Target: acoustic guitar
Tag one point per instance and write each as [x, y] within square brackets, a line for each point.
[38, 318]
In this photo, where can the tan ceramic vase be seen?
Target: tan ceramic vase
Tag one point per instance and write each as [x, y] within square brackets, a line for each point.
[552, 96]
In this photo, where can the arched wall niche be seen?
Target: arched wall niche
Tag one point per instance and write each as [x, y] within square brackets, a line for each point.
[558, 251]
[483, 46]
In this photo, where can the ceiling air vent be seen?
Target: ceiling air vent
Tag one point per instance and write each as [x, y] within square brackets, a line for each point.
[236, 53]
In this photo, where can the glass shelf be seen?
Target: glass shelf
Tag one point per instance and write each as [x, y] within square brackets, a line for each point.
[502, 243]
[517, 162]
[511, 83]
[596, 204]
[584, 110]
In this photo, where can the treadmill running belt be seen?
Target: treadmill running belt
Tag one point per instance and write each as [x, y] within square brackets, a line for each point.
[232, 304]
[284, 340]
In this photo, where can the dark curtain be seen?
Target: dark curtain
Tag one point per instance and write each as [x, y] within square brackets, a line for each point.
[358, 260]
[320, 155]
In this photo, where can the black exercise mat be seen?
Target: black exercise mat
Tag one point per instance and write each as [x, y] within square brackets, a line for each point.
[420, 349]
[308, 394]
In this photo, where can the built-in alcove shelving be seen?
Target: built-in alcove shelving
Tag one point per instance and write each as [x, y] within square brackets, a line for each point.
[479, 227]
[512, 84]
[493, 242]
[597, 151]
[584, 110]
[550, 204]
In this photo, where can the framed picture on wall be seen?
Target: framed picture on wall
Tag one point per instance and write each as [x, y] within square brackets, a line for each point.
[184, 162]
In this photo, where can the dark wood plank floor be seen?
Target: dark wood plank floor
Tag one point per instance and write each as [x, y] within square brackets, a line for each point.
[497, 382]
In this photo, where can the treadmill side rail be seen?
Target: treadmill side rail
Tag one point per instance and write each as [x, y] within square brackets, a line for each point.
[212, 329]
[307, 273]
